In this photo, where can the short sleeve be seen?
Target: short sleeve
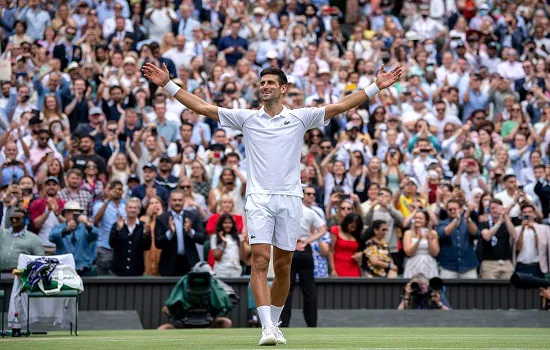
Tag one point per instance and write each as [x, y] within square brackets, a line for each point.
[214, 242]
[317, 221]
[233, 118]
[313, 117]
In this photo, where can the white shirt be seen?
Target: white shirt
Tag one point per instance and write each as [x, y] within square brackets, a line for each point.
[529, 253]
[427, 28]
[513, 71]
[273, 146]
[229, 264]
[109, 26]
[183, 57]
[160, 22]
[302, 64]
[309, 219]
[507, 200]
[440, 123]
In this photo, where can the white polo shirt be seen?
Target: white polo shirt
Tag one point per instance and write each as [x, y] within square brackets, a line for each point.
[310, 219]
[273, 146]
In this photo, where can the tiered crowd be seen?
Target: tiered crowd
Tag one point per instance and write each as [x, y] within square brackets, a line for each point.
[449, 169]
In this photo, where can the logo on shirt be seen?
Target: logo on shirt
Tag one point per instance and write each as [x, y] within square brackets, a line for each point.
[287, 122]
[252, 237]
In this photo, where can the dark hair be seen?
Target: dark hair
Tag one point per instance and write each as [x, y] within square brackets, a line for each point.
[448, 186]
[376, 224]
[452, 200]
[426, 216]
[219, 227]
[528, 205]
[231, 154]
[539, 166]
[114, 183]
[188, 124]
[275, 71]
[496, 201]
[353, 218]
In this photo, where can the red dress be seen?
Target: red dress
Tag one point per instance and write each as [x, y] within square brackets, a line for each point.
[344, 264]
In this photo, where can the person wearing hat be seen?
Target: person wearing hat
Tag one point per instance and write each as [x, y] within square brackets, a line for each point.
[42, 152]
[45, 213]
[165, 177]
[427, 27]
[76, 236]
[150, 188]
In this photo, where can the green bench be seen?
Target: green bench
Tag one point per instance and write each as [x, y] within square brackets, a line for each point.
[62, 294]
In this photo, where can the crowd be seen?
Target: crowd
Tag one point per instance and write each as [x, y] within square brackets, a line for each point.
[447, 173]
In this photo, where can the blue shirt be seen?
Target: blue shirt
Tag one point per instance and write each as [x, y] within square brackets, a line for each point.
[139, 192]
[228, 41]
[476, 101]
[457, 250]
[78, 243]
[12, 174]
[108, 220]
[36, 22]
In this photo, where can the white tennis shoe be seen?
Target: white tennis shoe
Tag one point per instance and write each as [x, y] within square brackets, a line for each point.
[278, 334]
[268, 336]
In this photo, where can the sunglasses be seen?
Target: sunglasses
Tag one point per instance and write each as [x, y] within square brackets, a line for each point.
[516, 109]
[326, 147]
[448, 130]
[91, 166]
[185, 187]
[16, 218]
[310, 194]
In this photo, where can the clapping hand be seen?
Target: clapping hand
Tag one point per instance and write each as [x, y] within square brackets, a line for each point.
[222, 236]
[71, 225]
[119, 222]
[188, 225]
[171, 224]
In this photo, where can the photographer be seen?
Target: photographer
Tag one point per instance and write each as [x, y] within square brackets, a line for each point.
[421, 294]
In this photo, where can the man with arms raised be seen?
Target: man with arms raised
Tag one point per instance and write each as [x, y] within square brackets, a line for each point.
[274, 206]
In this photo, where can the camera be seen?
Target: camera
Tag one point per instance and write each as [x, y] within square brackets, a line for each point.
[154, 131]
[421, 298]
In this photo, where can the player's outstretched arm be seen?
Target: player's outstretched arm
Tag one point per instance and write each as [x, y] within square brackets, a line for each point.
[383, 81]
[160, 77]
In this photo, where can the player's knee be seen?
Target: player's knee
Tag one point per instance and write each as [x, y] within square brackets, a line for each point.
[282, 267]
[260, 263]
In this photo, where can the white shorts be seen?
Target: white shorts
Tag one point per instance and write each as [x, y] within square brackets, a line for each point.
[273, 219]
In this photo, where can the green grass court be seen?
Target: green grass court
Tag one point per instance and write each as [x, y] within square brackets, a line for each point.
[297, 338]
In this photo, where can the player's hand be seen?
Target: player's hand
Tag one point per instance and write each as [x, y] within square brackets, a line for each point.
[156, 75]
[387, 79]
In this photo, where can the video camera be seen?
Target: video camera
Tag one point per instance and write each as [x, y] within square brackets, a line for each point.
[521, 280]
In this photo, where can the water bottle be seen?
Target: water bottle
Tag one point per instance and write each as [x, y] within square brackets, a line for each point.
[16, 326]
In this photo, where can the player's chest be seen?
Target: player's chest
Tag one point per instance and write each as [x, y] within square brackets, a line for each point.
[274, 129]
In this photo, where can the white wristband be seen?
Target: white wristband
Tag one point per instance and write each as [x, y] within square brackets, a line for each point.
[371, 90]
[172, 88]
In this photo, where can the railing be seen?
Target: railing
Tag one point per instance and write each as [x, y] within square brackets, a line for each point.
[146, 295]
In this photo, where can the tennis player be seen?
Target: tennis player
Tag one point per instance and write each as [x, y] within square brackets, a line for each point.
[273, 139]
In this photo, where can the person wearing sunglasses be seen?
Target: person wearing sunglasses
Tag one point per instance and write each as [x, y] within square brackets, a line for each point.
[457, 256]
[17, 240]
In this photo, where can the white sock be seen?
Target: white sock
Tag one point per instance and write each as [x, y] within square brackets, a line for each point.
[265, 315]
[276, 313]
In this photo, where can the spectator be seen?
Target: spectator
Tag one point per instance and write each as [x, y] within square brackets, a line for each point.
[183, 229]
[226, 245]
[531, 244]
[17, 240]
[75, 236]
[129, 238]
[456, 239]
[73, 192]
[344, 251]
[152, 256]
[226, 207]
[497, 235]
[45, 213]
[106, 213]
[376, 254]
[421, 244]
[150, 188]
